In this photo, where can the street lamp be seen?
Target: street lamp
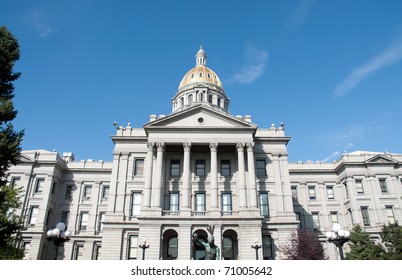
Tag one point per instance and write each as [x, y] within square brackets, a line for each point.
[339, 237]
[144, 245]
[256, 246]
[58, 235]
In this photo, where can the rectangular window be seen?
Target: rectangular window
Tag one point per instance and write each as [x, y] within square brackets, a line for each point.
[64, 217]
[298, 218]
[15, 181]
[226, 204]
[83, 221]
[40, 183]
[359, 186]
[49, 216]
[311, 193]
[105, 192]
[69, 192]
[365, 216]
[101, 218]
[174, 202]
[78, 252]
[132, 247]
[264, 204]
[390, 214]
[53, 187]
[334, 217]
[383, 185]
[316, 220]
[225, 167]
[200, 168]
[26, 246]
[139, 167]
[261, 168]
[135, 203]
[330, 192]
[293, 189]
[200, 202]
[346, 190]
[175, 167]
[267, 251]
[96, 254]
[33, 215]
[87, 192]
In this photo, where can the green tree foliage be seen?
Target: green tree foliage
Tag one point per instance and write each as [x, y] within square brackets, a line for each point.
[391, 236]
[10, 140]
[304, 245]
[362, 247]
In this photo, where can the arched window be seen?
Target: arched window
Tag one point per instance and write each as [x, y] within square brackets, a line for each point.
[227, 248]
[170, 245]
[190, 99]
[229, 245]
[181, 102]
[201, 93]
[210, 99]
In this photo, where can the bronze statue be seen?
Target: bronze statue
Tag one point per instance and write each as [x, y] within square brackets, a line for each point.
[212, 252]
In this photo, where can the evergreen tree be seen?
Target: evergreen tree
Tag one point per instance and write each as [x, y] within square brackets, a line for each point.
[391, 236]
[362, 247]
[304, 245]
[10, 140]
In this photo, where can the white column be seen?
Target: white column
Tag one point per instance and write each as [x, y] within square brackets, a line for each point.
[148, 176]
[251, 176]
[157, 186]
[241, 176]
[186, 177]
[214, 175]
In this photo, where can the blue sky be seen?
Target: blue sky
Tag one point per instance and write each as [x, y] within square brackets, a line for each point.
[331, 71]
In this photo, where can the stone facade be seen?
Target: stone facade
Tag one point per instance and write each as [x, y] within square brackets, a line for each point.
[193, 169]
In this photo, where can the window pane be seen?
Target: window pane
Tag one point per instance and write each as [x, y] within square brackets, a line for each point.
[200, 202]
[133, 245]
[175, 168]
[267, 247]
[261, 171]
[330, 192]
[136, 204]
[105, 192]
[225, 168]
[174, 202]
[39, 185]
[33, 215]
[139, 167]
[226, 202]
[200, 167]
[84, 221]
[264, 209]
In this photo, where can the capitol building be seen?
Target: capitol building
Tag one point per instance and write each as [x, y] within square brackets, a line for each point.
[200, 167]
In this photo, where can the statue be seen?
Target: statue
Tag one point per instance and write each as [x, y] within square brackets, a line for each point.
[212, 252]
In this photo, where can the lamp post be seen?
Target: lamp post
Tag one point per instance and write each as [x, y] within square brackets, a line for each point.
[144, 245]
[58, 235]
[339, 237]
[256, 246]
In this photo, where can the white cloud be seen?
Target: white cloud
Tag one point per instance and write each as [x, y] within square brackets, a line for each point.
[256, 62]
[392, 54]
[333, 155]
[40, 26]
[344, 138]
[300, 16]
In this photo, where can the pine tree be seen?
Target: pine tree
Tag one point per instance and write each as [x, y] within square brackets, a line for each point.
[391, 236]
[304, 245]
[362, 247]
[10, 140]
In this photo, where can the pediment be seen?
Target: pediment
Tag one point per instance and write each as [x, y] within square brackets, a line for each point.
[381, 159]
[200, 117]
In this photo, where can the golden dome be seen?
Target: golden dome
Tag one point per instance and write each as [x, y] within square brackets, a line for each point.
[201, 74]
